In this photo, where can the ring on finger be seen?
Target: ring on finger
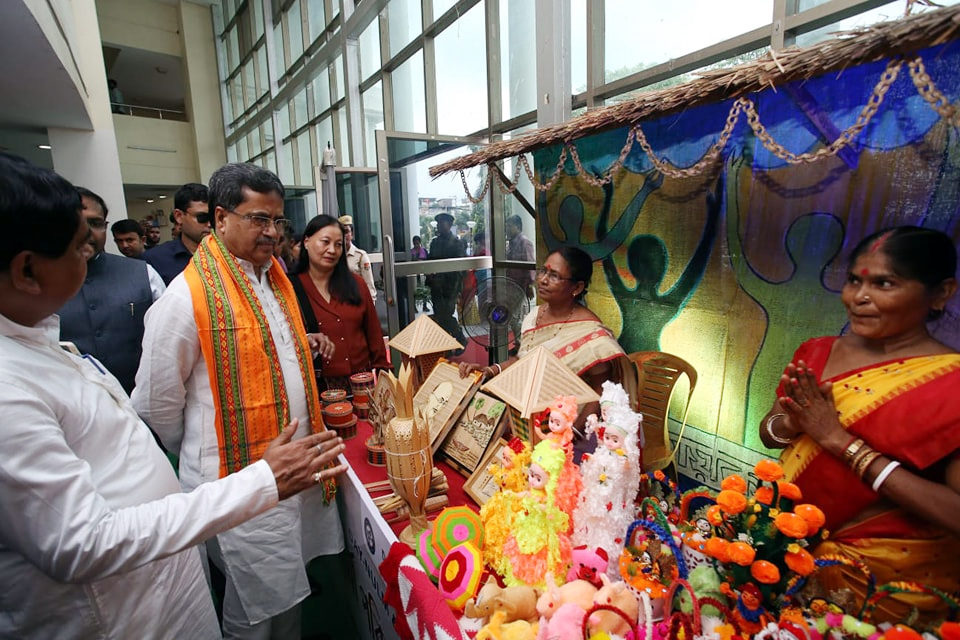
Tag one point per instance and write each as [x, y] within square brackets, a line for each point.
[318, 476]
[320, 448]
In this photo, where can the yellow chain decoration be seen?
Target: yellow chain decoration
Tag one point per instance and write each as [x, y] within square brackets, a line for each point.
[928, 90]
[921, 79]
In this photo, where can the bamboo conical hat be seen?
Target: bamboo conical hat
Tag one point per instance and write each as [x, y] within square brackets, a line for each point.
[533, 382]
[423, 336]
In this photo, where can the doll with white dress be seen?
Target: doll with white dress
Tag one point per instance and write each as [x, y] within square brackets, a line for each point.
[611, 479]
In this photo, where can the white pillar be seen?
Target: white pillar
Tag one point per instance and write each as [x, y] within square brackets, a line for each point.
[90, 158]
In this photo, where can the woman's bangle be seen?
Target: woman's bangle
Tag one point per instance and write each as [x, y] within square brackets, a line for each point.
[773, 436]
[499, 369]
[852, 449]
[883, 475]
[866, 461]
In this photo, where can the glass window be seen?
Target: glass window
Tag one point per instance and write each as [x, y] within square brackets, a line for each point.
[316, 18]
[300, 109]
[343, 151]
[640, 35]
[578, 45]
[263, 77]
[403, 18]
[372, 120]
[232, 153]
[229, 8]
[249, 84]
[278, 47]
[884, 13]
[254, 143]
[518, 58]
[370, 50]
[258, 26]
[324, 133]
[284, 122]
[458, 48]
[233, 56]
[305, 167]
[267, 129]
[286, 165]
[295, 29]
[321, 92]
[270, 162]
[339, 86]
[440, 7]
[409, 97]
[236, 86]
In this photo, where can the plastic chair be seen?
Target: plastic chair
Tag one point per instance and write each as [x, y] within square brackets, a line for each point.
[657, 375]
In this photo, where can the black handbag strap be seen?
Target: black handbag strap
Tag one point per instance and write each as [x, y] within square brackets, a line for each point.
[306, 310]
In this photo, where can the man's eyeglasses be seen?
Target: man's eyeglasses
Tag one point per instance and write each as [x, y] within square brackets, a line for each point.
[261, 222]
[550, 275]
[97, 223]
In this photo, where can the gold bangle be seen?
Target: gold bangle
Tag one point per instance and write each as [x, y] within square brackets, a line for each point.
[865, 463]
[852, 449]
[861, 452]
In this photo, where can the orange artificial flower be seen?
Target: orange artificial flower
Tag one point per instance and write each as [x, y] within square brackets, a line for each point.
[790, 524]
[768, 470]
[718, 548]
[764, 495]
[799, 561]
[714, 515]
[812, 515]
[741, 553]
[765, 572]
[901, 632]
[789, 490]
[658, 475]
[734, 482]
[731, 502]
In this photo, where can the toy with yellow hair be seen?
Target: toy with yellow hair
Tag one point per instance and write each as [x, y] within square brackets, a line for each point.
[497, 513]
[537, 542]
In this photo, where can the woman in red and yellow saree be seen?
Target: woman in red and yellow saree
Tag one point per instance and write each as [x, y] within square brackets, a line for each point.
[870, 423]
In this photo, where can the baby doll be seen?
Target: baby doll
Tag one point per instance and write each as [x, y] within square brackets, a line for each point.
[610, 483]
[613, 395]
[537, 542]
[563, 413]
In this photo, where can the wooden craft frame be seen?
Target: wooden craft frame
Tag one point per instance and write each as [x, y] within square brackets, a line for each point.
[463, 447]
[480, 486]
[459, 390]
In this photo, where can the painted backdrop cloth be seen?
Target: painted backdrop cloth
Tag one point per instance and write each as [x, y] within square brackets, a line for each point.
[580, 344]
[907, 409]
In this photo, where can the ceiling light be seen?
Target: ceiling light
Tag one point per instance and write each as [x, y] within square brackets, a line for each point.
[161, 197]
[44, 146]
[149, 200]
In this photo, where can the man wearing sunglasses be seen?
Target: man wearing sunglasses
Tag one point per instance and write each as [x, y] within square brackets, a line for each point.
[193, 215]
[105, 318]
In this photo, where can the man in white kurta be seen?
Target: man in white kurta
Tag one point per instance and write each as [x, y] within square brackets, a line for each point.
[96, 539]
[264, 559]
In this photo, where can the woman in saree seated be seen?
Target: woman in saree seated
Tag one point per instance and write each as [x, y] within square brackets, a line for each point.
[870, 423]
[573, 333]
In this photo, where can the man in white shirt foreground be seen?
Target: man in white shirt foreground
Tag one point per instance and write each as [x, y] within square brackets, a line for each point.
[96, 540]
[226, 362]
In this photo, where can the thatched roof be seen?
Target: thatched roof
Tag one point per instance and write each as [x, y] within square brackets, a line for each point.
[869, 44]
